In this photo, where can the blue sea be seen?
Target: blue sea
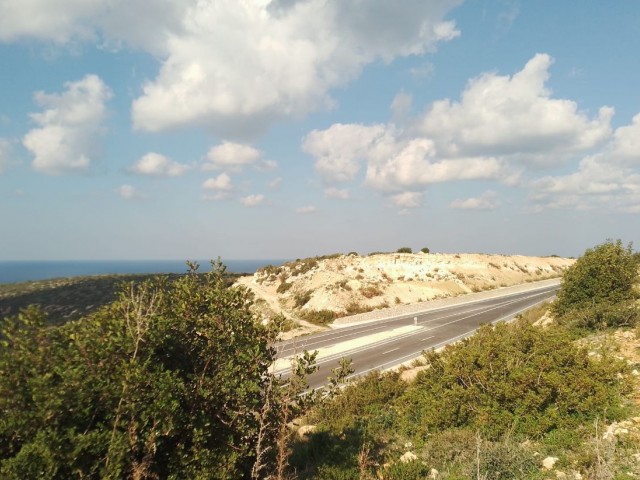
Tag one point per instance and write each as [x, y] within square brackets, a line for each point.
[24, 271]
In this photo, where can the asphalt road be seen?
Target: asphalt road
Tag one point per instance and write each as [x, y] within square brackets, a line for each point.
[432, 329]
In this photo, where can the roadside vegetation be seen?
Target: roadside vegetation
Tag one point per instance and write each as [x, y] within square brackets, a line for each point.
[171, 380]
[542, 390]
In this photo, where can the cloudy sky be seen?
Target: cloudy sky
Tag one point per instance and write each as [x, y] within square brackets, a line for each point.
[270, 129]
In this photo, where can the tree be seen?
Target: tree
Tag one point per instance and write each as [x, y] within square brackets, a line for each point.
[167, 382]
[604, 274]
[425, 250]
[404, 250]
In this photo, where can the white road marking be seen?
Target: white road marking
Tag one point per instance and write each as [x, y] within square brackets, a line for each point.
[389, 351]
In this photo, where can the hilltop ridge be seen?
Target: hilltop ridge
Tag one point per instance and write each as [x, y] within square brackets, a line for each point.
[341, 285]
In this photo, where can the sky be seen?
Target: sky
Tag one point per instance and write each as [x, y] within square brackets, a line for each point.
[265, 129]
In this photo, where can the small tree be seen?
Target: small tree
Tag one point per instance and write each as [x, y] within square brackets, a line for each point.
[605, 274]
[425, 250]
[404, 250]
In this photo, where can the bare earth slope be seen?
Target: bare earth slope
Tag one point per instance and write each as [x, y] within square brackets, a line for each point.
[350, 284]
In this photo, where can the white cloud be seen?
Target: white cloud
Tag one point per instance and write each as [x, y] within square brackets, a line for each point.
[220, 185]
[221, 182]
[626, 142]
[70, 126]
[339, 149]
[339, 193]
[252, 200]
[129, 192]
[608, 179]
[514, 118]
[155, 164]
[407, 199]
[238, 66]
[502, 126]
[231, 156]
[110, 23]
[306, 210]
[5, 150]
[486, 201]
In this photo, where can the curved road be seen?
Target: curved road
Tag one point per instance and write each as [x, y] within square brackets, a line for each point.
[414, 334]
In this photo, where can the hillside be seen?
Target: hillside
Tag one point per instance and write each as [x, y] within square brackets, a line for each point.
[340, 285]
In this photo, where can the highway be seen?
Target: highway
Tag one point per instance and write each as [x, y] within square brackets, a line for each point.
[384, 344]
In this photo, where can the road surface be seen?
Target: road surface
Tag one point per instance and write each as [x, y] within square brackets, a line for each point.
[384, 344]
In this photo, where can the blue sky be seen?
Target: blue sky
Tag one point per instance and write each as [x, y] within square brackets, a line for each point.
[291, 128]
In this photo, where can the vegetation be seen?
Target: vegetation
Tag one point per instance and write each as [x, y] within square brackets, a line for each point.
[425, 250]
[64, 299]
[169, 381]
[319, 317]
[404, 250]
[489, 406]
[598, 290]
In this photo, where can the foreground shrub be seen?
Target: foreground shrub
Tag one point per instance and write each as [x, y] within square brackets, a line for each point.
[511, 378]
[166, 382]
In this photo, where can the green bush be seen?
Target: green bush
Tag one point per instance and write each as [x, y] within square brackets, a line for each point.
[605, 273]
[319, 317]
[166, 382]
[425, 250]
[511, 378]
[404, 250]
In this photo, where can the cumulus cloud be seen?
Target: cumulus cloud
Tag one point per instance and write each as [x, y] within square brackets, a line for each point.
[626, 143]
[220, 185]
[252, 200]
[597, 183]
[339, 149]
[157, 165]
[231, 156]
[306, 210]
[129, 192]
[502, 126]
[486, 201]
[514, 117]
[70, 126]
[238, 66]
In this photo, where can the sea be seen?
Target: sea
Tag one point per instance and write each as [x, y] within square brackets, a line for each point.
[25, 271]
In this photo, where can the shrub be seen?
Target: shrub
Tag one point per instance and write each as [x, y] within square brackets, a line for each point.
[284, 287]
[605, 273]
[425, 250]
[514, 377]
[300, 299]
[166, 382]
[404, 250]
[371, 291]
[319, 317]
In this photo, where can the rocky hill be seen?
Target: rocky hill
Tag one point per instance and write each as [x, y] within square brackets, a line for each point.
[349, 284]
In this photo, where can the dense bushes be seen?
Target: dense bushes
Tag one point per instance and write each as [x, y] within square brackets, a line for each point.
[167, 382]
[511, 378]
[469, 411]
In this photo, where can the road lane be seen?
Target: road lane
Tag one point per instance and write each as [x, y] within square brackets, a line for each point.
[437, 328]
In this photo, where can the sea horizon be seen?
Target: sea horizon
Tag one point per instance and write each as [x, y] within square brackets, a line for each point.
[16, 271]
